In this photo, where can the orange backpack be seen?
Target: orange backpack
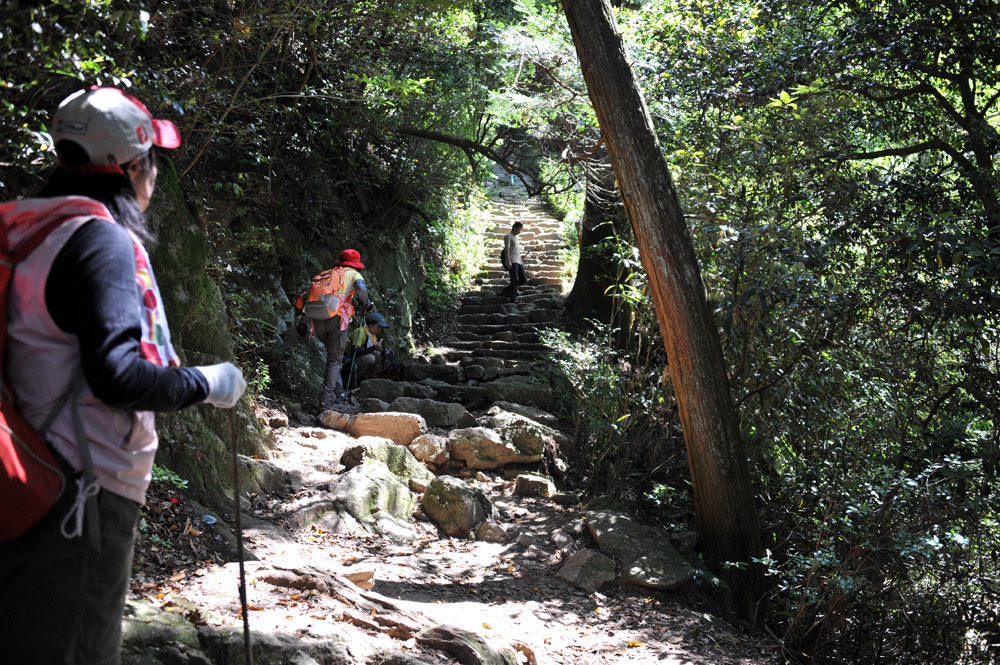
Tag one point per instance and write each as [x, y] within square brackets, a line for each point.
[324, 300]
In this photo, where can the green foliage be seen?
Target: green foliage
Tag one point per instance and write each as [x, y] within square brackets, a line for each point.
[849, 277]
[162, 474]
[456, 251]
[622, 412]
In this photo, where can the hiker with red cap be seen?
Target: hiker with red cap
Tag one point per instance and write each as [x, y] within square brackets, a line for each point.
[88, 361]
[330, 306]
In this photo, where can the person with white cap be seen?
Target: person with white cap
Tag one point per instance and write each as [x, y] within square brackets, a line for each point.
[88, 361]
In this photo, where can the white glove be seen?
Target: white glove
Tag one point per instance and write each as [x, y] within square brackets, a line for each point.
[225, 384]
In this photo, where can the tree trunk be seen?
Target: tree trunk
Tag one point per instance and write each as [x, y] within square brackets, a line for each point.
[723, 495]
[597, 271]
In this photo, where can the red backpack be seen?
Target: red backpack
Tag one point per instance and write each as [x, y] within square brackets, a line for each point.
[30, 478]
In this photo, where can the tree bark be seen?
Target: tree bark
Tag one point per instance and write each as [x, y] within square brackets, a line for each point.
[724, 498]
[603, 219]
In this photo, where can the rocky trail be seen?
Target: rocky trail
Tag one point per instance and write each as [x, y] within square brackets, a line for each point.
[423, 524]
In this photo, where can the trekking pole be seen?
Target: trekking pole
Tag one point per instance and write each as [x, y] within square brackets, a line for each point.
[239, 544]
[350, 372]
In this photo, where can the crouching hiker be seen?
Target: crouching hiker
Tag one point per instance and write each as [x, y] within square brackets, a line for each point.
[88, 361]
[364, 349]
[330, 306]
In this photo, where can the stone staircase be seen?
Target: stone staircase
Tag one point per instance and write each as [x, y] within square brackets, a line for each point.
[490, 356]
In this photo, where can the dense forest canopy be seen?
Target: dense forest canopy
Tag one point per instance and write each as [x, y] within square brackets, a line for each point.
[835, 165]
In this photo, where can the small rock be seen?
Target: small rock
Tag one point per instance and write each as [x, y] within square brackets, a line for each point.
[335, 420]
[482, 477]
[277, 420]
[491, 533]
[531, 484]
[563, 541]
[363, 579]
[373, 405]
[566, 499]
[587, 570]
[430, 449]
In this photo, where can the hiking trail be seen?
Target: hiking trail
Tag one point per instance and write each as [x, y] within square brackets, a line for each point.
[351, 561]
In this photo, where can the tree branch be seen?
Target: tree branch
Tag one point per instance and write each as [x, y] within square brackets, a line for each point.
[933, 144]
[470, 147]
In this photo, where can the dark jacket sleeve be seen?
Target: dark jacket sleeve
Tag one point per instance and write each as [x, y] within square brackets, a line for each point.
[91, 293]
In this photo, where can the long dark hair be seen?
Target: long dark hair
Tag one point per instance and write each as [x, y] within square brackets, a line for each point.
[114, 190]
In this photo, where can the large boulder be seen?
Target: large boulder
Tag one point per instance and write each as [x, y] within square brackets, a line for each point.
[436, 414]
[377, 498]
[646, 554]
[526, 434]
[482, 448]
[400, 427]
[520, 390]
[455, 507]
[397, 458]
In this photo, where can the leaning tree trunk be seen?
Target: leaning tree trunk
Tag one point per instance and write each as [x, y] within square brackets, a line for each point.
[724, 499]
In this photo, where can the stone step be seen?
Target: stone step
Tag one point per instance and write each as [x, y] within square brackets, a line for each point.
[488, 345]
[501, 334]
[501, 366]
[530, 296]
[489, 329]
[554, 307]
[544, 272]
[549, 288]
[504, 319]
[456, 355]
[538, 281]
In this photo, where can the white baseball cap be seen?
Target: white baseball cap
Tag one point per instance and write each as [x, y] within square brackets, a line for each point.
[112, 127]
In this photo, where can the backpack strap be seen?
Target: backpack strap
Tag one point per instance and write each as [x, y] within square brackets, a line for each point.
[86, 486]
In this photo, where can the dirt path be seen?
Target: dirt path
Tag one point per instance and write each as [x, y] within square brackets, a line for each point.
[323, 595]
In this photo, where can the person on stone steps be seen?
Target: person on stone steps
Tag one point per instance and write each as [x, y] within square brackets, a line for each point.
[514, 265]
[329, 305]
[365, 350]
[89, 353]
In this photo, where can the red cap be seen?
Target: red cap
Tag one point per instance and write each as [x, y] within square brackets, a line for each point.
[352, 258]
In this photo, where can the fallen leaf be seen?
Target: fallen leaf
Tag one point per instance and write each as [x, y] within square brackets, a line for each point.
[178, 577]
[635, 643]
[486, 626]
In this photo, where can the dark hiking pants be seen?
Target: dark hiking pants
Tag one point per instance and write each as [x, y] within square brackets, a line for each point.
[335, 340]
[517, 278]
[61, 601]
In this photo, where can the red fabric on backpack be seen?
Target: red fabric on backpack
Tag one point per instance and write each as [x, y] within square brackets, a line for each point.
[30, 478]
